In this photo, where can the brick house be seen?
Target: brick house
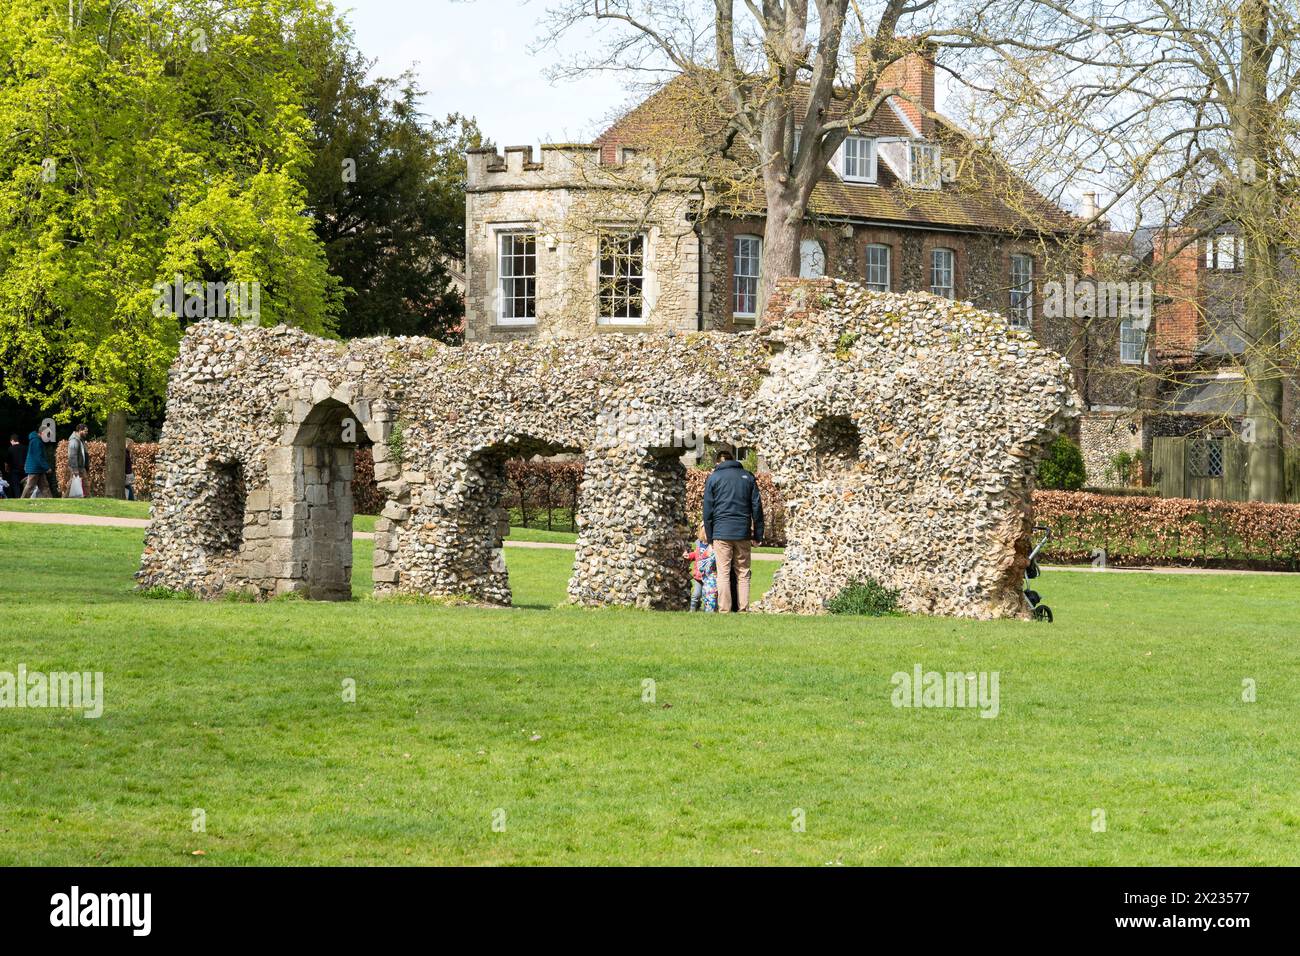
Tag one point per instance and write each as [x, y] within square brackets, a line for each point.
[602, 237]
[1181, 376]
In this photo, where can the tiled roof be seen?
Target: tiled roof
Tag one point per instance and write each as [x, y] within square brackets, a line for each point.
[986, 196]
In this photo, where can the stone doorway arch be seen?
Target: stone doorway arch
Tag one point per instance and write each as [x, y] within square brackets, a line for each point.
[481, 522]
[311, 501]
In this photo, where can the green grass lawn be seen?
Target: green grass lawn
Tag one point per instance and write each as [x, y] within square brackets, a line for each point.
[111, 508]
[140, 509]
[105, 507]
[1131, 703]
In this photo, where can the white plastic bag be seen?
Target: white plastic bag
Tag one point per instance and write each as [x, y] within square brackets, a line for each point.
[74, 488]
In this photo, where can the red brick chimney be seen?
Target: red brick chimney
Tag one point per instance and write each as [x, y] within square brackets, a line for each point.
[913, 73]
[1177, 321]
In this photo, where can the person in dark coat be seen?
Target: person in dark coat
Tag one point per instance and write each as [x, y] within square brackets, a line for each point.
[36, 466]
[15, 458]
[130, 472]
[733, 522]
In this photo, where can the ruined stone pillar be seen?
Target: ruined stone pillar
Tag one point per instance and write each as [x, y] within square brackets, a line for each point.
[441, 534]
[632, 530]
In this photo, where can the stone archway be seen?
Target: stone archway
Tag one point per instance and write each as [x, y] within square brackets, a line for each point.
[488, 510]
[311, 502]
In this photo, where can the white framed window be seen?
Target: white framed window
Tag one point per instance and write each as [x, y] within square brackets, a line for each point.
[858, 159]
[1021, 313]
[924, 165]
[876, 277]
[516, 278]
[622, 277]
[943, 272]
[812, 259]
[1132, 342]
[748, 261]
[1222, 252]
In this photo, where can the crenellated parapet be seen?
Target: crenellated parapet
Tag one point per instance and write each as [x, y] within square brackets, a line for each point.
[556, 164]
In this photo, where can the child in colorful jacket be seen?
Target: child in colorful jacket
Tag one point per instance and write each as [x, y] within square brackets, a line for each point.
[704, 574]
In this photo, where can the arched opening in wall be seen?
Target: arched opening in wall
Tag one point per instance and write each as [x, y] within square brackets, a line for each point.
[836, 444]
[221, 505]
[529, 493]
[759, 558]
[324, 462]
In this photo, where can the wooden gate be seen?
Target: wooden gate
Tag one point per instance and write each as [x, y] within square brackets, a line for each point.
[1169, 467]
[1201, 468]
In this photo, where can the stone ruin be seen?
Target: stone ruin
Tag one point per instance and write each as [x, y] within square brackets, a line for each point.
[903, 429]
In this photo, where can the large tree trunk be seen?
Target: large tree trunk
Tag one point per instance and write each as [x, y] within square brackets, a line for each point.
[781, 234]
[115, 456]
[1264, 454]
[1256, 210]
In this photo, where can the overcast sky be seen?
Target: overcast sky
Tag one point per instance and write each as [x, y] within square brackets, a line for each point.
[472, 56]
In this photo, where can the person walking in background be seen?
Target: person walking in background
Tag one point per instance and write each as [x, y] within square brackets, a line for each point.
[130, 472]
[15, 457]
[36, 468]
[78, 463]
[733, 521]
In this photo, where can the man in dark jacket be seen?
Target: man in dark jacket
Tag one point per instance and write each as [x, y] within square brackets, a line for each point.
[36, 467]
[733, 521]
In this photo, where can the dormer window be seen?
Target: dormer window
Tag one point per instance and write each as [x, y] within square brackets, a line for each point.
[914, 161]
[857, 159]
[924, 165]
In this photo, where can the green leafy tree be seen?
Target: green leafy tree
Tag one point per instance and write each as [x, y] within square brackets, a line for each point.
[388, 192]
[137, 142]
[1062, 469]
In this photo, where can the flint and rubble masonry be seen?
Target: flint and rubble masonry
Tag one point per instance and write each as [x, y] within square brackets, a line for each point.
[910, 425]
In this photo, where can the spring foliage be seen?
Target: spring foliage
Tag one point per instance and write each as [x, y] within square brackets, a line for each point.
[137, 142]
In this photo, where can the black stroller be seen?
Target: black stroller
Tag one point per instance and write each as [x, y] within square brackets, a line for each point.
[1041, 611]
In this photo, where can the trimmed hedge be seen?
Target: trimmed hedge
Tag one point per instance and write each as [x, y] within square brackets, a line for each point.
[366, 496]
[1169, 531]
[537, 488]
[143, 456]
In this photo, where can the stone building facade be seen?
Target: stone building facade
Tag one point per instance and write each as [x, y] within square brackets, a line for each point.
[535, 233]
[882, 217]
[906, 427]
[1179, 372]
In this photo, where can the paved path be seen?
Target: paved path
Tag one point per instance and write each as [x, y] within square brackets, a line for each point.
[55, 517]
[102, 521]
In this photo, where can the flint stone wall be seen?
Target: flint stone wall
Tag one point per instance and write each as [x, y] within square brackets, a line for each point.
[909, 425]
[1102, 436]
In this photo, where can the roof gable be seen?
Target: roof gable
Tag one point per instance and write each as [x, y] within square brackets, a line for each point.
[986, 195]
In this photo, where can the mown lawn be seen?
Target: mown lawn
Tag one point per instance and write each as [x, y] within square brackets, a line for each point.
[1131, 703]
[105, 507]
[110, 508]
